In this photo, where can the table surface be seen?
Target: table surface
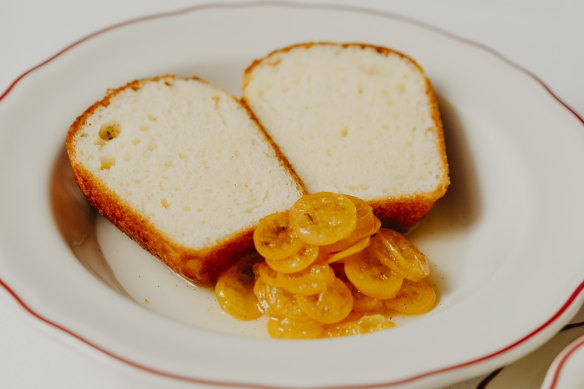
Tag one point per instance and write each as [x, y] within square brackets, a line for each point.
[544, 37]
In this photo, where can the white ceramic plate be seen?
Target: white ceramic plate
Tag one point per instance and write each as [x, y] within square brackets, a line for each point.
[504, 242]
[557, 364]
[564, 364]
[566, 369]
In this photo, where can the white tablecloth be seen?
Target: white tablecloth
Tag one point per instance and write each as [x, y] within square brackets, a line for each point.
[544, 37]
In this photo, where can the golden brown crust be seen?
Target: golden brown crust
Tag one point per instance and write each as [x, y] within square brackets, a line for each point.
[199, 266]
[402, 212]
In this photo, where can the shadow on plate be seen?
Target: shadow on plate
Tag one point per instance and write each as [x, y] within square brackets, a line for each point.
[75, 219]
[461, 206]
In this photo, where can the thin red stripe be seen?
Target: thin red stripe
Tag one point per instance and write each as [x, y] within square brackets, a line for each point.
[377, 13]
[117, 357]
[563, 361]
[565, 306]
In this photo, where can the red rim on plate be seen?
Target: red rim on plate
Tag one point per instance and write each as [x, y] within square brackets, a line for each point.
[567, 304]
[563, 358]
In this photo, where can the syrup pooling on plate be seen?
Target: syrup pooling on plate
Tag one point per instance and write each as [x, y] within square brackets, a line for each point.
[328, 270]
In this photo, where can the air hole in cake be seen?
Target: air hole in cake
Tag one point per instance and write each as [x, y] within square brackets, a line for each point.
[152, 117]
[152, 146]
[107, 162]
[164, 203]
[345, 131]
[110, 131]
[136, 141]
[144, 127]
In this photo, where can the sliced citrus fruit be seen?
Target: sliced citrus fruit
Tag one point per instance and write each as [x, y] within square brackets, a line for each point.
[312, 280]
[323, 218]
[364, 303]
[366, 225]
[329, 306]
[273, 238]
[300, 260]
[413, 298]
[355, 248]
[342, 329]
[372, 277]
[234, 290]
[396, 251]
[357, 325]
[277, 302]
[373, 323]
[294, 329]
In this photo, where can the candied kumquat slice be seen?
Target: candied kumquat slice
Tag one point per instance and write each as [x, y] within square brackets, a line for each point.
[358, 325]
[323, 218]
[285, 328]
[342, 329]
[413, 298]
[372, 277]
[300, 260]
[234, 290]
[396, 251]
[329, 306]
[276, 302]
[354, 249]
[312, 280]
[366, 225]
[273, 238]
[364, 303]
[373, 323]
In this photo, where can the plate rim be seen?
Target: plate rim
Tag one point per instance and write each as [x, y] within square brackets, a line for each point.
[575, 295]
[228, 384]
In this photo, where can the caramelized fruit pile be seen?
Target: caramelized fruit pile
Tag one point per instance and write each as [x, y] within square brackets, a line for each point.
[325, 268]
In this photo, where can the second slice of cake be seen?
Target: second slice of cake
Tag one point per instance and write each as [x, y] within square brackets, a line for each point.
[355, 119]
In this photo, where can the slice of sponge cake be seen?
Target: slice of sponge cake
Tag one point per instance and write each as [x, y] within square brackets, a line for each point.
[182, 168]
[354, 119]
